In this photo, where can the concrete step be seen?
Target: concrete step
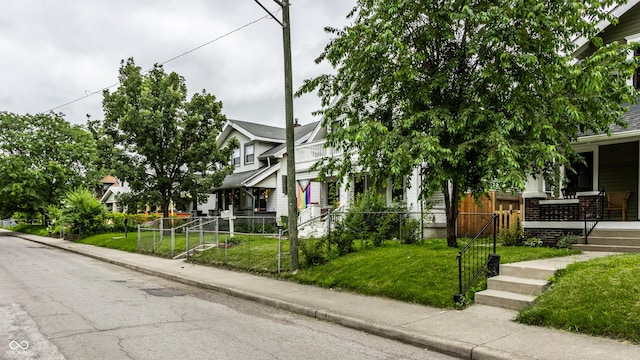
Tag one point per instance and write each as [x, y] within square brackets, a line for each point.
[503, 299]
[621, 233]
[516, 285]
[607, 248]
[607, 240]
[528, 272]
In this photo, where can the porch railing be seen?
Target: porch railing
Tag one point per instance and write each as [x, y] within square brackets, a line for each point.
[476, 258]
[593, 212]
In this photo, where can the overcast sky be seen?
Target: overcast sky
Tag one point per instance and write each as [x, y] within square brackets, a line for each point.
[57, 51]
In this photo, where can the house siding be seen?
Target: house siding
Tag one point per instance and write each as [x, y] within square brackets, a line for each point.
[628, 25]
[619, 172]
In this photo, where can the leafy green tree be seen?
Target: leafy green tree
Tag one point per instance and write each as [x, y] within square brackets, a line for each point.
[160, 143]
[41, 157]
[477, 95]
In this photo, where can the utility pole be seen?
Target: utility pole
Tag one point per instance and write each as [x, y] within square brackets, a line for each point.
[289, 132]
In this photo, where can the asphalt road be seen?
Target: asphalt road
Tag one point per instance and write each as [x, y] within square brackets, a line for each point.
[58, 305]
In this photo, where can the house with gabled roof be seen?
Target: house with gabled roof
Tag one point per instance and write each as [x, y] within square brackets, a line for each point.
[601, 194]
[109, 192]
[257, 183]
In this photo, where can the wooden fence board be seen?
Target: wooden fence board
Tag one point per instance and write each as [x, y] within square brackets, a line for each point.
[473, 215]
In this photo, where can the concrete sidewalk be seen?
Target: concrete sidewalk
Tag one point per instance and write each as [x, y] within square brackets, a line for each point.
[479, 332]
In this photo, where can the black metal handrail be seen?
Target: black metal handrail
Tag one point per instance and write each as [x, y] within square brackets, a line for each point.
[475, 258]
[591, 223]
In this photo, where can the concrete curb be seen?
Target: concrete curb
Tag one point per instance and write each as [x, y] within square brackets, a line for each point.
[442, 345]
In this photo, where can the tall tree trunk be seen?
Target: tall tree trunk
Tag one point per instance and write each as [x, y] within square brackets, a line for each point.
[165, 208]
[450, 190]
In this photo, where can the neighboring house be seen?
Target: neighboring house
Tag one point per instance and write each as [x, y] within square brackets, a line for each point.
[111, 188]
[612, 164]
[256, 185]
[314, 195]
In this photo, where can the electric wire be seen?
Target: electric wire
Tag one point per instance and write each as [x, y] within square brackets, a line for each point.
[91, 93]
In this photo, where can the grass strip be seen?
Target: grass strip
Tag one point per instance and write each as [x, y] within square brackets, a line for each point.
[598, 297]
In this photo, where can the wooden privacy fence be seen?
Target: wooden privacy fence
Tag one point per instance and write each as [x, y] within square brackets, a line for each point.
[474, 214]
[508, 218]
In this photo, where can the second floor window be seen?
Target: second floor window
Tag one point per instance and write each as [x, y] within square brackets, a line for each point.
[248, 153]
[236, 157]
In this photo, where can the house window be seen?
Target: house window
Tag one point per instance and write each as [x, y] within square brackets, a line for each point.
[397, 192]
[248, 153]
[236, 157]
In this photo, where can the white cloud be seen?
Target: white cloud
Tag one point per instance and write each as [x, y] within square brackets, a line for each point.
[59, 50]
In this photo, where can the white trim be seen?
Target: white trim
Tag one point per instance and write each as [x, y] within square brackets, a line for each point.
[632, 38]
[311, 175]
[604, 139]
[553, 224]
[534, 194]
[583, 43]
[558, 201]
[587, 193]
[257, 178]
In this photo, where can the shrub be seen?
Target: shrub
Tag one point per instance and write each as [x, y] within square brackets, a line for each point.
[566, 241]
[370, 220]
[511, 236]
[83, 212]
[312, 252]
[411, 232]
[532, 242]
[342, 238]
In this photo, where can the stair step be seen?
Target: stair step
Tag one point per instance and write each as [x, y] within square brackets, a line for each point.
[516, 284]
[608, 248]
[527, 272]
[621, 233]
[503, 299]
[618, 241]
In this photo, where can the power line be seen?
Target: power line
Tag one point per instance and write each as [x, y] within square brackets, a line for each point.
[89, 94]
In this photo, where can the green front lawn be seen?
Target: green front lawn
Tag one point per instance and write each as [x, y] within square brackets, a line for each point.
[598, 297]
[40, 230]
[424, 274]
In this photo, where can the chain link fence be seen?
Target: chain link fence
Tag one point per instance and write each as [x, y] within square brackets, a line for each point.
[243, 242]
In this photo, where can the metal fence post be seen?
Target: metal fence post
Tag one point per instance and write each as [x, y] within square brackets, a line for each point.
[161, 228]
[173, 240]
[217, 230]
[279, 249]
[201, 233]
[186, 231]
[138, 237]
[154, 239]
[329, 215]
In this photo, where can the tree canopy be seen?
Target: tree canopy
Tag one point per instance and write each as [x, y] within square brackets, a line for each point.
[160, 143]
[42, 157]
[478, 95]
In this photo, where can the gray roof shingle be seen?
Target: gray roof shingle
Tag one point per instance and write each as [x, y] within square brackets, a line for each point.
[263, 131]
[298, 132]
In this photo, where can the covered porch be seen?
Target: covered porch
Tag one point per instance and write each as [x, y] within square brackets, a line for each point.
[600, 193]
[248, 192]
